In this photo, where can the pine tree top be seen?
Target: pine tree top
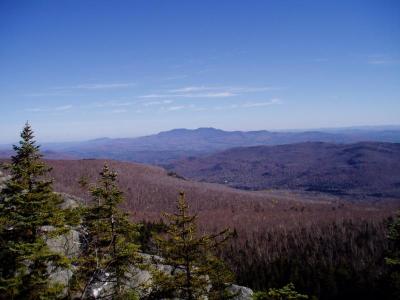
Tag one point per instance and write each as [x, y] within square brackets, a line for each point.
[27, 204]
[26, 165]
[106, 191]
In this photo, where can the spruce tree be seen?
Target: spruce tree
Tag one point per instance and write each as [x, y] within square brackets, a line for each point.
[109, 249]
[196, 271]
[393, 260]
[288, 292]
[29, 214]
[221, 277]
[394, 238]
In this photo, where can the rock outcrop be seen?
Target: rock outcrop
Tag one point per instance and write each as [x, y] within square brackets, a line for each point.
[241, 292]
[3, 179]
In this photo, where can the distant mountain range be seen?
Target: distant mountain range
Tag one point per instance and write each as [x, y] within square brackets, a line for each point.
[361, 170]
[165, 147]
[354, 162]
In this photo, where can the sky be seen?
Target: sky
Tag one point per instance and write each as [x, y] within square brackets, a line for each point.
[82, 69]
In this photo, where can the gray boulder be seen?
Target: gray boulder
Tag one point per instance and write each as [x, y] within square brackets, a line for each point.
[67, 244]
[241, 292]
[3, 179]
[69, 201]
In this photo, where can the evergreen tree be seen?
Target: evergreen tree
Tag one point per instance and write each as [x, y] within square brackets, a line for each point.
[196, 271]
[109, 248]
[220, 277]
[29, 214]
[288, 292]
[394, 238]
[393, 261]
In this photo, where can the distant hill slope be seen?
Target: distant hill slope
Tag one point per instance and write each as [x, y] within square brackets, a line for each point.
[358, 170]
[151, 190]
[47, 154]
[165, 147]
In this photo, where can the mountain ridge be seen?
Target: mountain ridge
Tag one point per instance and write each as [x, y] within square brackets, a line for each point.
[360, 170]
[176, 144]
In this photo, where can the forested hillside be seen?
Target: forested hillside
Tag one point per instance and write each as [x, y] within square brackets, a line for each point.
[328, 247]
[355, 171]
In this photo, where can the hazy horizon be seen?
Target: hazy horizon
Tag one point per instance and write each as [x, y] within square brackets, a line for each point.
[79, 70]
[40, 140]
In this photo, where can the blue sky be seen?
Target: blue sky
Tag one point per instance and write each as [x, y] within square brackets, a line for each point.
[85, 69]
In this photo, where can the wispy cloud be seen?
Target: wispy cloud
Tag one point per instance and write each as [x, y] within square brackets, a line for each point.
[207, 91]
[50, 109]
[35, 109]
[176, 77]
[252, 89]
[190, 95]
[262, 103]
[243, 105]
[211, 95]
[229, 89]
[64, 107]
[382, 60]
[190, 89]
[174, 108]
[191, 107]
[95, 86]
[46, 94]
[250, 104]
[153, 103]
[68, 90]
[118, 111]
[113, 104]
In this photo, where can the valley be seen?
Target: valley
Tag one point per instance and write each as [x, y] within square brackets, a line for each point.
[360, 171]
[150, 190]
